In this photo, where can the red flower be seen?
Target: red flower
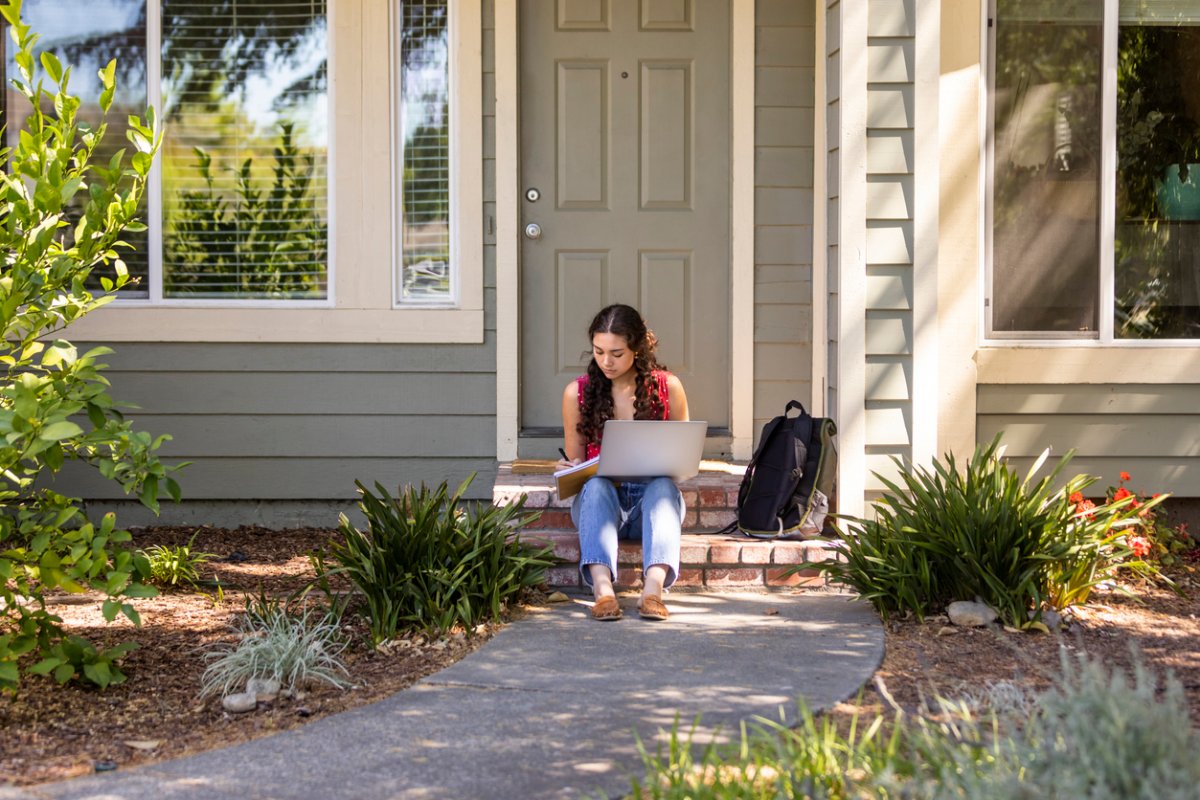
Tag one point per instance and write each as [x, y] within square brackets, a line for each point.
[1122, 493]
[1076, 498]
[1139, 546]
[1124, 475]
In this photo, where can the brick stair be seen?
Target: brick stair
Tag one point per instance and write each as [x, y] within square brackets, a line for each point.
[707, 560]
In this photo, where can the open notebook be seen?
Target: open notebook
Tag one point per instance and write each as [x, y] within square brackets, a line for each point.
[639, 448]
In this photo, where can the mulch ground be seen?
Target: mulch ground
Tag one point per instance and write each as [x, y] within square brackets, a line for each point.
[50, 732]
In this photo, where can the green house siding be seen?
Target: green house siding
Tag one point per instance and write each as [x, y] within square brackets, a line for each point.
[785, 75]
[1150, 431]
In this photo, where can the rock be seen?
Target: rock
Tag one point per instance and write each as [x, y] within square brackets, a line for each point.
[262, 687]
[1052, 619]
[970, 614]
[303, 712]
[947, 630]
[143, 744]
[240, 703]
[557, 597]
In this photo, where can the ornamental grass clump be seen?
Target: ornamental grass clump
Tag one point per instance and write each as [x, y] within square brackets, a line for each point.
[428, 560]
[293, 648]
[1017, 543]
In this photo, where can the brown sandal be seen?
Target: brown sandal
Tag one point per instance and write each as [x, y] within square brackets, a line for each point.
[606, 609]
[652, 608]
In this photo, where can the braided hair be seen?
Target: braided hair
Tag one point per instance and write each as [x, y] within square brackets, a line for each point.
[597, 401]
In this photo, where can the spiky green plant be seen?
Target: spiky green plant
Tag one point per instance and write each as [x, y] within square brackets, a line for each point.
[1018, 543]
[175, 565]
[428, 560]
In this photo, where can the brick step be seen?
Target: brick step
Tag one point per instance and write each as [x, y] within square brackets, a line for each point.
[707, 561]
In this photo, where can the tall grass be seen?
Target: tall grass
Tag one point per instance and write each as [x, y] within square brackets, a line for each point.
[1099, 734]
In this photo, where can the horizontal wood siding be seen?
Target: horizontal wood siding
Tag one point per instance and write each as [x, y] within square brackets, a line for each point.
[889, 297]
[1150, 431]
[785, 71]
[280, 422]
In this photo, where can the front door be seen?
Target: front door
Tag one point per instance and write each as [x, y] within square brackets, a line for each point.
[625, 192]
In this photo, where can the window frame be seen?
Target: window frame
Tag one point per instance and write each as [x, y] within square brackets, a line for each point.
[359, 308]
[1104, 335]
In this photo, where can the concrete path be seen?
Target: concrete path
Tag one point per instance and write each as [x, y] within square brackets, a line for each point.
[547, 709]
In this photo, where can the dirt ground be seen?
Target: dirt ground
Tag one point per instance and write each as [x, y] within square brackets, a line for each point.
[50, 732]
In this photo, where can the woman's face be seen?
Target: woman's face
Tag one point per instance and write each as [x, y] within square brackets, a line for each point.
[612, 354]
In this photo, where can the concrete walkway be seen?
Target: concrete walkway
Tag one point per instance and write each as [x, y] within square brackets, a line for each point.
[547, 709]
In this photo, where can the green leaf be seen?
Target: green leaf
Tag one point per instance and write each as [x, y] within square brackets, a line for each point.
[98, 673]
[57, 431]
[64, 672]
[140, 590]
[110, 610]
[52, 65]
[8, 673]
[132, 614]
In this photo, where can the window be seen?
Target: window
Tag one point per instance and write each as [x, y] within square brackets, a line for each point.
[424, 109]
[1094, 207]
[240, 209]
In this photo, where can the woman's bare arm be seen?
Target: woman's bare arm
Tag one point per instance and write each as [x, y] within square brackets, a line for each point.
[573, 443]
[677, 398]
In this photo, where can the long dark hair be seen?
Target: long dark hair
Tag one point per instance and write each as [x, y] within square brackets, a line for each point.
[597, 402]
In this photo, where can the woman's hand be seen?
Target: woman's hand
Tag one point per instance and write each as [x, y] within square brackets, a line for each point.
[567, 463]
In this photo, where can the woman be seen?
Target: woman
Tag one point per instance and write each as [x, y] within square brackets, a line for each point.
[624, 381]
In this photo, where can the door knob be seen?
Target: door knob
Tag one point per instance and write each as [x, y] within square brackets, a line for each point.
[533, 231]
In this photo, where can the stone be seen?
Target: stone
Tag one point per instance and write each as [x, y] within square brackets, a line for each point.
[970, 614]
[240, 703]
[1052, 619]
[947, 630]
[143, 744]
[261, 688]
[557, 597]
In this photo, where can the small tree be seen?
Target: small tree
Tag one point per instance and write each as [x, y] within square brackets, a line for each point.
[61, 217]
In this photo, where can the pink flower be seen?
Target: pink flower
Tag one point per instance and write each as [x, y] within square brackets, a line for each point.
[1139, 546]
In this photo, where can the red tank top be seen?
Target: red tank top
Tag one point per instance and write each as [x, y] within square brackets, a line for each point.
[660, 377]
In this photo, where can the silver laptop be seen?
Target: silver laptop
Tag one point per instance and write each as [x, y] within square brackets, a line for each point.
[644, 448]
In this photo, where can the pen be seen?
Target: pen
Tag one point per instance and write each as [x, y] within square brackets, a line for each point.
[564, 454]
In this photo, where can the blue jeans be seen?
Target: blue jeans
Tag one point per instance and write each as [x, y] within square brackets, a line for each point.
[652, 510]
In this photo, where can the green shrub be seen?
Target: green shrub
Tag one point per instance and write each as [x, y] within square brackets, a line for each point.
[429, 561]
[1018, 544]
[292, 648]
[61, 219]
[171, 566]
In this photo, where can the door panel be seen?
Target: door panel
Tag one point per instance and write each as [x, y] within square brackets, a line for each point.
[625, 135]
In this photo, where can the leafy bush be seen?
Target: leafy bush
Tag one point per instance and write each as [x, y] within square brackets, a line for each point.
[61, 218]
[948, 534]
[171, 566]
[427, 561]
[292, 648]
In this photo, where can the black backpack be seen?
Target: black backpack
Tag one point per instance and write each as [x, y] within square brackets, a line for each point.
[790, 481]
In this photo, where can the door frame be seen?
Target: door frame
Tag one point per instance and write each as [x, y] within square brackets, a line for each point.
[741, 227]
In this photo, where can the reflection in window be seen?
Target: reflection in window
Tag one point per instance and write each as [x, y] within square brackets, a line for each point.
[1046, 195]
[85, 35]
[244, 161]
[424, 192]
[1157, 241]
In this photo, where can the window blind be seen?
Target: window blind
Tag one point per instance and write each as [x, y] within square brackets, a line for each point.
[425, 152]
[244, 161]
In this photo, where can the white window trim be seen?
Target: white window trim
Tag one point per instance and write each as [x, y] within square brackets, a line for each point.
[360, 215]
[1105, 337]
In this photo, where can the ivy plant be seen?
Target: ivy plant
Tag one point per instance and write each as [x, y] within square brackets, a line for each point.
[61, 218]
